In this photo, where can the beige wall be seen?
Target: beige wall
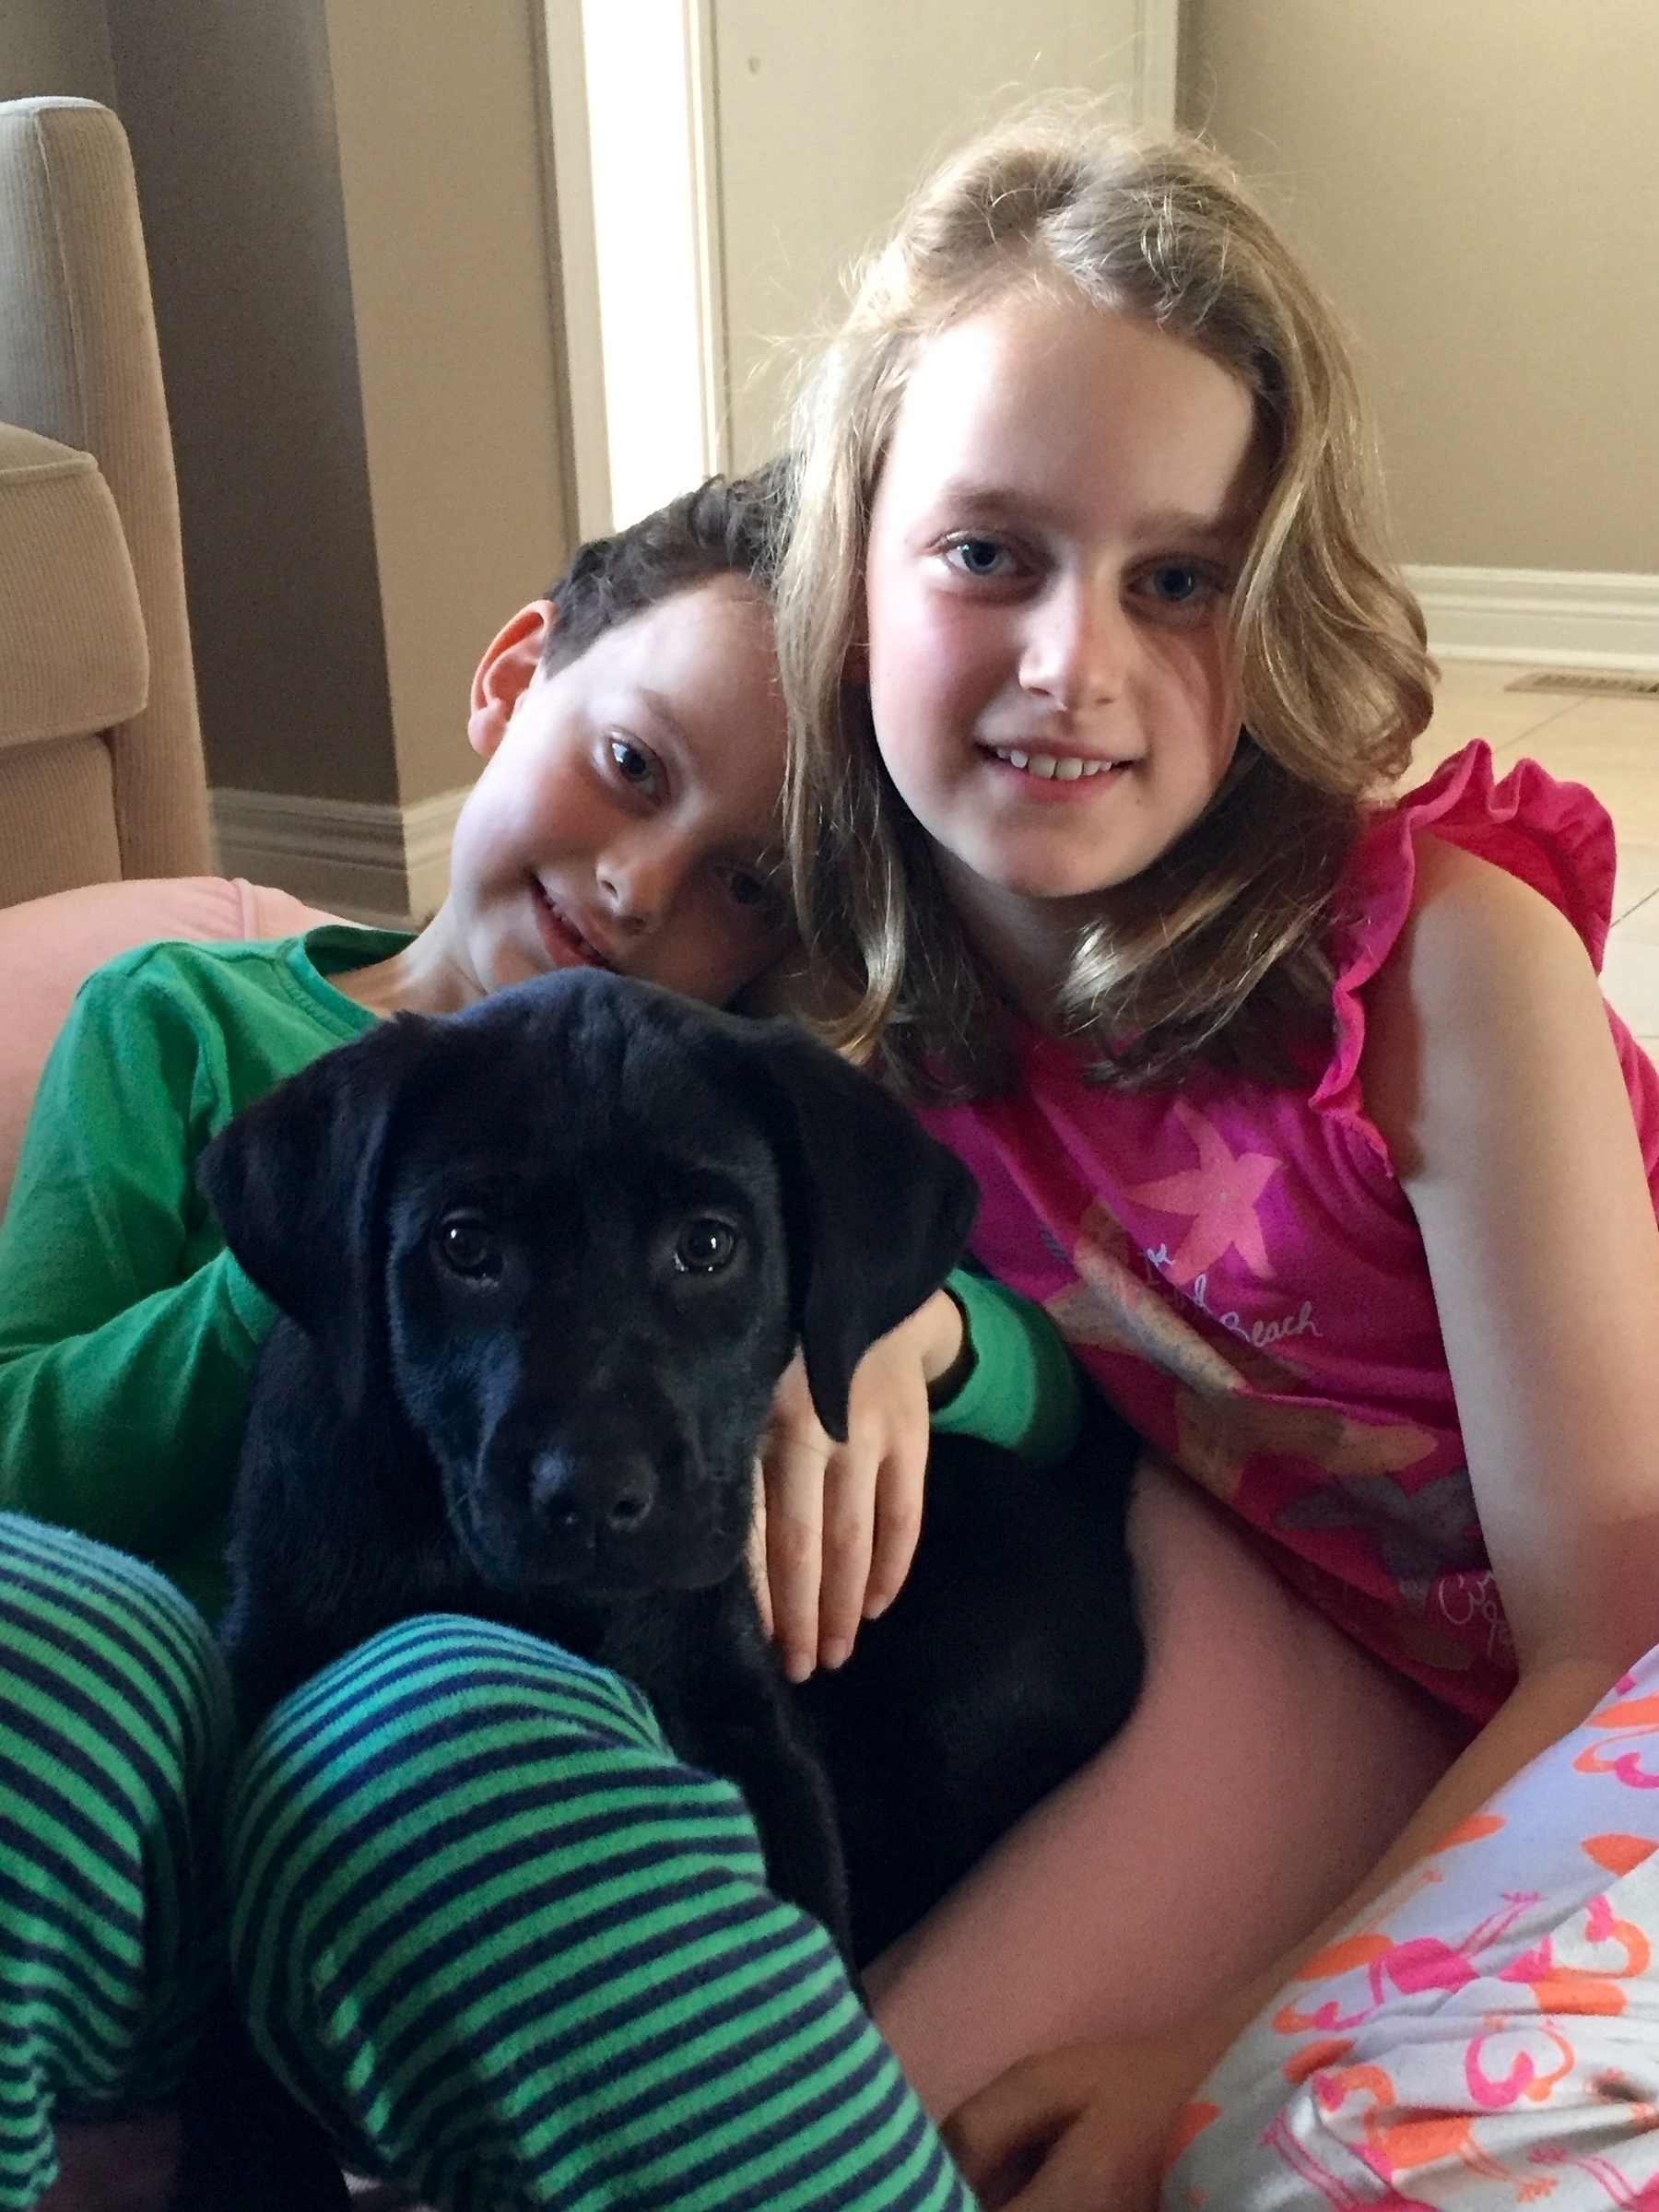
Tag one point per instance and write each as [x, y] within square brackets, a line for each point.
[61, 46]
[439, 109]
[1478, 187]
[230, 113]
[828, 114]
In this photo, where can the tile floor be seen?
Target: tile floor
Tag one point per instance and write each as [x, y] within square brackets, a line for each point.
[1610, 744]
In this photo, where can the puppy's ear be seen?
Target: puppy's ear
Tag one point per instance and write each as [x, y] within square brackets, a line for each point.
[296, 1180]
[879, 1211]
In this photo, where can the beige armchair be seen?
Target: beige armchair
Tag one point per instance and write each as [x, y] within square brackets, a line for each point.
[101, 758]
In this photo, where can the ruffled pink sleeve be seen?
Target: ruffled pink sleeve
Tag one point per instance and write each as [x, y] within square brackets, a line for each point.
[1557, 837]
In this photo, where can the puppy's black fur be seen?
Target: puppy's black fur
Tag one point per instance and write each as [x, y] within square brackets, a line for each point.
[1010, 1656]
[542, 1265]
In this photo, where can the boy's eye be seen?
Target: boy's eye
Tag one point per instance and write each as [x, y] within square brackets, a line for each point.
[633, 763]
[757, 894]
[981, 557]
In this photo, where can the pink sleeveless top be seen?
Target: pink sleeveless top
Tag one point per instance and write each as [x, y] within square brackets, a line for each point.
[1240, 1269]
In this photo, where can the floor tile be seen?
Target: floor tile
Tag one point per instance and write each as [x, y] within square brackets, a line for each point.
[1474, 676]
[1470, 701]
[1631, 979]
[1605, 734]
[1638, 879]
[1438, 742]
[1503, 722]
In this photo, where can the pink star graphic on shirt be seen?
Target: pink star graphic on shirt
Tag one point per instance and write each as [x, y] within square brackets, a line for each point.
[1218, 1196]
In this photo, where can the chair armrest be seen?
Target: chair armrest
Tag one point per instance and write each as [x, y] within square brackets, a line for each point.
[72, 649]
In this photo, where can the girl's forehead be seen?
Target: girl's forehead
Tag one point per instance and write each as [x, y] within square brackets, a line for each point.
[1043, 392]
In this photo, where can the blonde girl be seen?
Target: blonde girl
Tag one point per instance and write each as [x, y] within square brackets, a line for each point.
[1296, 1106]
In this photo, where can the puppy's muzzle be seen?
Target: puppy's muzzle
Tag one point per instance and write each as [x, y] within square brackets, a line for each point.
[579, 1499]
[619, 1496]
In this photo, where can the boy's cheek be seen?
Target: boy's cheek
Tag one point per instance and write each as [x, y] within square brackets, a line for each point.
[712, 968]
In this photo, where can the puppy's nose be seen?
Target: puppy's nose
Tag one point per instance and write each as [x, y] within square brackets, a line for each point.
[588, 1496]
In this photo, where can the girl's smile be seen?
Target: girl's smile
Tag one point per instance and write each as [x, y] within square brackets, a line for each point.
[1064, 503]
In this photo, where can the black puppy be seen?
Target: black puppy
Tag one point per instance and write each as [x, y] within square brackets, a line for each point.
[543, 1264]
[1012, 1654]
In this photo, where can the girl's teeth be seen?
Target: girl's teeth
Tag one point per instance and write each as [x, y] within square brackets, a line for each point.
[1050, 767]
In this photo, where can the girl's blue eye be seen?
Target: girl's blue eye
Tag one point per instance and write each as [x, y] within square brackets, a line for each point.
[979, 557]
[633, 765]
[1179, 584]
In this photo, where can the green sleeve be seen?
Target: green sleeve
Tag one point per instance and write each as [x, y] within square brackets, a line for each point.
[1023, 1389]
[127, 1334]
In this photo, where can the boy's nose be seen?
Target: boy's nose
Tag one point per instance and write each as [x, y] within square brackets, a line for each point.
[1078, 645]
[639, 884]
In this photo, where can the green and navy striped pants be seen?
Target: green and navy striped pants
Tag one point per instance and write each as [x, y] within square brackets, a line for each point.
[507, 1948]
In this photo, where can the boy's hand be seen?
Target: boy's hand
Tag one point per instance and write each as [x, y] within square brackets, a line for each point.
[836, 1525]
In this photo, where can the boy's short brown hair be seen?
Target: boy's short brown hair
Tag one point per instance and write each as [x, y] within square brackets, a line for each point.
[728, 526]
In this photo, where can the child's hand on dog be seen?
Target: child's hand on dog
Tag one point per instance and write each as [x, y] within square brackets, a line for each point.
[836, 1525]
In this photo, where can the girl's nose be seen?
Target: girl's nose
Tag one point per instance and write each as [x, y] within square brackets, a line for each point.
[1078, 646]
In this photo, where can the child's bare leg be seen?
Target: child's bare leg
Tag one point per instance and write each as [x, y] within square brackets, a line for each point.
[1269, 1763]
[114, 2165]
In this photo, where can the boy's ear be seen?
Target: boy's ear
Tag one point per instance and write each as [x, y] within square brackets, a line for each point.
[503, 676]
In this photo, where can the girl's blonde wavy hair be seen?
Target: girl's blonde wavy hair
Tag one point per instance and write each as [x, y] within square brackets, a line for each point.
[1217, 950]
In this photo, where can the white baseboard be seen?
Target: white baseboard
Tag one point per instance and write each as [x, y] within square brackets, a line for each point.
[1550, 618]
[376, 863]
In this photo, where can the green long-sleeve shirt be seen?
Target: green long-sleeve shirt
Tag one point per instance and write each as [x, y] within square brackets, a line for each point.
[129, 1334]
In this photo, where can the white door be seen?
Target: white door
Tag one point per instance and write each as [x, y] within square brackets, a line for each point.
[721, 164]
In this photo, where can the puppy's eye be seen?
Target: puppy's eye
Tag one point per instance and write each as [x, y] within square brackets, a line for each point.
[705, 1245]
[466, 1245]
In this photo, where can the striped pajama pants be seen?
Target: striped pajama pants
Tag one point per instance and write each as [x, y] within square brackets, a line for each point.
[507, 1949]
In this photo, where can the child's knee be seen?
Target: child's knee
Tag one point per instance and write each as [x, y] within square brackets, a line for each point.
[449, 1808]
[111, 1671]
[115, 1738]
[464, 1861]
[427, 1758]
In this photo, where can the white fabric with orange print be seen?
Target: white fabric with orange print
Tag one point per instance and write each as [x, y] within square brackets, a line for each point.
[1237, 1264]
[1489, 2037]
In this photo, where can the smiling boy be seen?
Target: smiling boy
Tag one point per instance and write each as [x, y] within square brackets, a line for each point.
[627, 814]
[633, 736]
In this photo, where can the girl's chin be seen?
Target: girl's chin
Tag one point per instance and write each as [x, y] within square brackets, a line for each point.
[1042, 881]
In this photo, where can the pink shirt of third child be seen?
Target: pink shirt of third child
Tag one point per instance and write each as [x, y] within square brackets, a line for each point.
[1238, 1266]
